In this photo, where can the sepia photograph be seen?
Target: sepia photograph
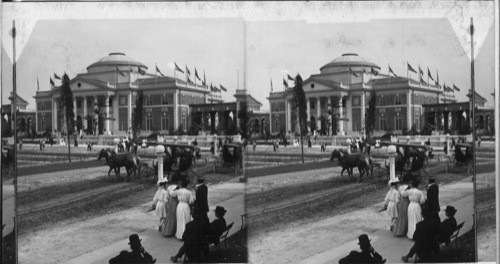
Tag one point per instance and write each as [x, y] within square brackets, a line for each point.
[249, 132]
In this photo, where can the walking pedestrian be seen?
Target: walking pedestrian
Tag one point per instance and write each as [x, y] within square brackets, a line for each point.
[390, 201]
[170, 223]
[160, 199]
[183, 210]
[432, 202]
[401, 225]
[416, 198]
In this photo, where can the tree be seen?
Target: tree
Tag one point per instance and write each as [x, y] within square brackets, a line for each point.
[243, 117]
[299, 104]
[137, 115]
[66, 103]
[370, 115]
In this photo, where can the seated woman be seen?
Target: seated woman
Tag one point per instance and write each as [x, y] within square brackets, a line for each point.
[448, 225]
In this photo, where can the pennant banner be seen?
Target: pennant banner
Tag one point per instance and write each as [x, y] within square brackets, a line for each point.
[120, 72]
[420, 70]
[222, 88]
[290, 77]
[177, 68]
[410, 68]
[429, 74]
[188, 72]
[285, 83]
[456, 88]
[271, 84]
[57, 77]
[374, 72]
[196, 74]
[391, 71]
[158, 71]
[51, 82]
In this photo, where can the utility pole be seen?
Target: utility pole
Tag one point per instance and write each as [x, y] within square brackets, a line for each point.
[473, 111]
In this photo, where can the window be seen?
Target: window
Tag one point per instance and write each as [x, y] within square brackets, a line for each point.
[149, 101]
[42, 122]
[381, 100]
[417, 119]
[149, 121]
[398, 121]
[78, 104]
[312, 105]
[382, 122]
[164, 121]
[398, 99]
[164, 99]
[110, 102]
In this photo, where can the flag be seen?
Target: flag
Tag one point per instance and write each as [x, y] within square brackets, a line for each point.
[196, 74]
[420, 70]
[290, 77]
[51, 82]
[189, 81]
[37, 85]
[204, 80]
[271, 84]
[188, 72]
[437, 77]
[158, 71]
[223, 88]
[120, 72]
[131, 70]
[57, 77]
[177, 68]
[422, 80]
[391, 71]
[429, 74]
[285, 83]
[410, 68]
[352, 72]
[212, 88]
[456, 88]
[374, 72]
[141, 71]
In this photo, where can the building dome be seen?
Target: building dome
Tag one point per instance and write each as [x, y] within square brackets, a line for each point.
[349, 59]
[116, 59]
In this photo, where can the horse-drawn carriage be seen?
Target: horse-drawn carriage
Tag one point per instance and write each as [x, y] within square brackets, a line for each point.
[410, 158]
[232, 157]
[462, 157]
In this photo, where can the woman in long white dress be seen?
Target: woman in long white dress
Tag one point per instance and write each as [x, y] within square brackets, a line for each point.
[170, 223]
[416, 198]
[183, 210]
[160, 199]
[391, 200]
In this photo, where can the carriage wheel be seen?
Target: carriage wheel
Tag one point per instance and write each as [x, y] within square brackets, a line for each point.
[238, 169]
[469, 168]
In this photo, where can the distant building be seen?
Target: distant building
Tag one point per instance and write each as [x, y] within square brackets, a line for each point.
[344, 86]
[25, 117]
[110, 86]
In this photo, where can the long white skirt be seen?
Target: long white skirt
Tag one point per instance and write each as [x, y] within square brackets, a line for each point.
[160, 209]
[414, 216]
[392, 210]
[183, 217]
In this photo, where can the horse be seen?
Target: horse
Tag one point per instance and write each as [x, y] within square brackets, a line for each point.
[116, 161]
[349, 161]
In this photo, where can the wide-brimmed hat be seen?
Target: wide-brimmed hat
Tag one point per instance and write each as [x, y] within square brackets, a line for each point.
[450, 209]
[393, 181]
[134, 239]
[220, 210]
[162, 181]
[364, 240]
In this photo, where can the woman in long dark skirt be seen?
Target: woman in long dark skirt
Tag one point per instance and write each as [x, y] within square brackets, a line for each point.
[169, 226]
[401, 224]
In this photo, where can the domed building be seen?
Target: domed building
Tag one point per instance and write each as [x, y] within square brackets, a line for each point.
[104, 99]
[344, 86]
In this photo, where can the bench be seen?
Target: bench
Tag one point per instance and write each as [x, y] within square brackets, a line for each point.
[454, 235]
[225, 233]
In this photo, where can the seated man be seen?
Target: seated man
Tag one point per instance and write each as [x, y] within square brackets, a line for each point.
[138, 254]
[425, 246]
[194, 239]
[448, 225]
[217, 227]
[367, 254]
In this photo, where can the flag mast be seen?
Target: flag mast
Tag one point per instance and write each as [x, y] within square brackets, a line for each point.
[14, 121]
[473, 98]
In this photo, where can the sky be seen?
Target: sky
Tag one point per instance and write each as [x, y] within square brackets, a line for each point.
[260, 41]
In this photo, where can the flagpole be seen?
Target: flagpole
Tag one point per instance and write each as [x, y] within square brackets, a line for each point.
[238, 79]
[14, 101]
[473, 97]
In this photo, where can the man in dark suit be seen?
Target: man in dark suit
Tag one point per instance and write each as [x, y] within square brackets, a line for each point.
[138, 254]
[194, 240]
[425, 236]
[432, 202]
[218, 226]
[367, 254]
[448, 225]
[201, 203]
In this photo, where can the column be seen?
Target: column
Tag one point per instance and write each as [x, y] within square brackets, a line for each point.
[446, 119]
[308, 110]
[129, 112]
[341, 115]
[363, 112]
[85, 121]
[176, 110]
[107, 115]
[409, 121]
[54, 115]
[36, 118]
[288, 116]
[115, 113]
[331, 108]
[96, 124]
[318, 113]
[348, 105]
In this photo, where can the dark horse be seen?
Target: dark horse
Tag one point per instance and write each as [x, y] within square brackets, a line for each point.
[116, 161]
[349, 161]
[411, 161]
[179, 161]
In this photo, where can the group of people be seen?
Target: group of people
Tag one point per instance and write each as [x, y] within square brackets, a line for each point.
[417, 217]
[175, 205]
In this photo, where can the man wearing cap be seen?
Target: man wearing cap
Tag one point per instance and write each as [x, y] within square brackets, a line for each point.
[432, 202]
[367, 254]
[201, 202]
[138, 254]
